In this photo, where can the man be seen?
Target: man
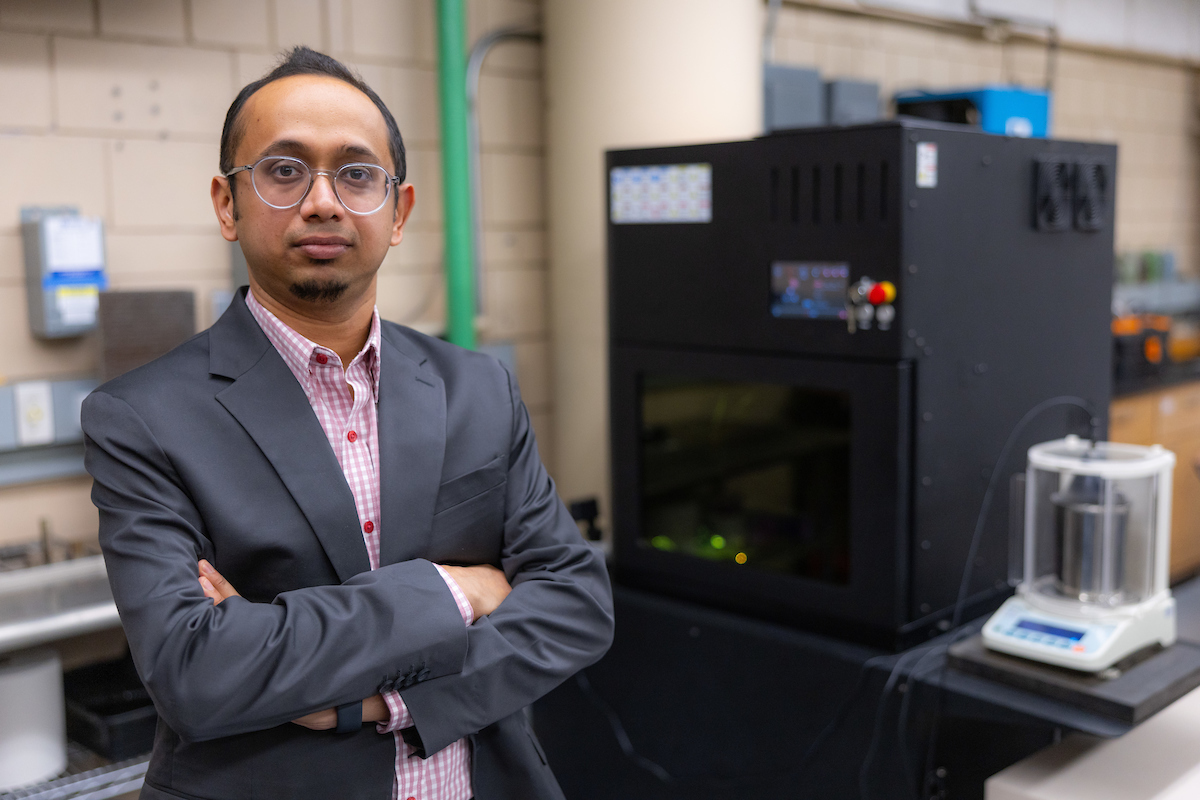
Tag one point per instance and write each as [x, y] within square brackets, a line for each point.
[356, 482]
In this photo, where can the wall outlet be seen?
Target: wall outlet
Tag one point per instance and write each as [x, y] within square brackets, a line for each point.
[34, 405]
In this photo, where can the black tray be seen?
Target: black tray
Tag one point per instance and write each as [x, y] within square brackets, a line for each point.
[109, 711]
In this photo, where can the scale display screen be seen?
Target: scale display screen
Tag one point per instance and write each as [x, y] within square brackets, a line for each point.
[1065, 633]
[809, 289]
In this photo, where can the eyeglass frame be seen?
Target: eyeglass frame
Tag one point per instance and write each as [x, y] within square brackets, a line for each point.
[312, 179]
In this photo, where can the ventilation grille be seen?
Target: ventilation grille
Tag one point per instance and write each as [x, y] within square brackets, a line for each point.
[1052, 195]
[828, 194]
[1091, 195]
[1070, 193]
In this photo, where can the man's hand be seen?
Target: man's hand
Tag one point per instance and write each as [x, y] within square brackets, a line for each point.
[325, 720]
[215, 587]
[484, 585]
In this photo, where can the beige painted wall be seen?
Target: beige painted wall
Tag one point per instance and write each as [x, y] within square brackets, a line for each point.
[116, 106]
[624, 73]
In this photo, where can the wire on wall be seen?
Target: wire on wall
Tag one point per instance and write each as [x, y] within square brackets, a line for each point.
[479, 52]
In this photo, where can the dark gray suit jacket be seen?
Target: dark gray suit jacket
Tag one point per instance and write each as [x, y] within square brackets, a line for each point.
[213, 451]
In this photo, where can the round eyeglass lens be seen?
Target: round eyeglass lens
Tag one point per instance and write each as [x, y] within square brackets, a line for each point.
[282, 182]
[362, 188]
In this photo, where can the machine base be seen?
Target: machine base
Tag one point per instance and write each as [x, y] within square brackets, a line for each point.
[1021, 628]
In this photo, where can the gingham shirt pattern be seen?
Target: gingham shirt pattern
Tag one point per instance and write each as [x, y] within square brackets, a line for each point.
[345, 404]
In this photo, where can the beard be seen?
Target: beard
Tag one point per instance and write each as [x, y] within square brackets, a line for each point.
[314, 291]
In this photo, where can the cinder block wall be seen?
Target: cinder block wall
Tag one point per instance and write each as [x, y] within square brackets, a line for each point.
[116, 106]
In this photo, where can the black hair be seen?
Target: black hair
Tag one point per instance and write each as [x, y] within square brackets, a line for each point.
[303, 60]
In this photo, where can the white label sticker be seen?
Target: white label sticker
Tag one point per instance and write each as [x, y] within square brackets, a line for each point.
[1018, 126]
[667, 193]
[74, 243]
[35, 413]
[926, 165]
[77, 305]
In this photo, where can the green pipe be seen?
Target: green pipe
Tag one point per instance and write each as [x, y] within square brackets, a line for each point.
[456, 175]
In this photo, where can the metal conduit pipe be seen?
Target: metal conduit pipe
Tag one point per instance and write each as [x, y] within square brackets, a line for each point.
[474, 66]
[456, 179]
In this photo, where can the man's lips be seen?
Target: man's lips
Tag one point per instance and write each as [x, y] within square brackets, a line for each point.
[323, 247]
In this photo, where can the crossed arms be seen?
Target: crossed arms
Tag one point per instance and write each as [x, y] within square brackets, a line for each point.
[484, 586]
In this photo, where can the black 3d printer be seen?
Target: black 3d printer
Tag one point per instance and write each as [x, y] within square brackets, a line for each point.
[820, 341]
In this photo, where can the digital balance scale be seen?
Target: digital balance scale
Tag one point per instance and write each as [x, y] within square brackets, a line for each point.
[1097, 538]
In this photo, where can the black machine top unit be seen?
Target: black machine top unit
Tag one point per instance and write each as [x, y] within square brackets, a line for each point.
[820, 341]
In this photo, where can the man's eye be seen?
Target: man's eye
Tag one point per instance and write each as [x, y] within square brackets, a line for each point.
[358, 174]
[283, 171]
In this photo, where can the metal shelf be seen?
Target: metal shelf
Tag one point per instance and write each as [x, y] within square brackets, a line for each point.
[1165, 297]
[98, 783]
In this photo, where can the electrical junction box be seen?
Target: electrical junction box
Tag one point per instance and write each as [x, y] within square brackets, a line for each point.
[64, 270]
[1006, 110]
[793, 97]
[852, 102]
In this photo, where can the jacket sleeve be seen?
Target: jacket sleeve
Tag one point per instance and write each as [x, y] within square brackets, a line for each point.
[216, 671]
[557, 620]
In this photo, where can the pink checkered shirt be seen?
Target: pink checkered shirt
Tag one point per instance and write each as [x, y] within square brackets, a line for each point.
[345, 404]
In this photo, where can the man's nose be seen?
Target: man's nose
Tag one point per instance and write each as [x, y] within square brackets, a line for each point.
[322, 200]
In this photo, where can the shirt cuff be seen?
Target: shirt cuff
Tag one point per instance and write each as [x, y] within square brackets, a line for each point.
[400, 718]
[460, 598]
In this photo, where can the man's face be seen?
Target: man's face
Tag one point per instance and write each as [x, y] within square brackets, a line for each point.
[316, 252]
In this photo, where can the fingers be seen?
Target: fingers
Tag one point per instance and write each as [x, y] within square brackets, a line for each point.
[209, 591]
[221, 589]
[318, 720]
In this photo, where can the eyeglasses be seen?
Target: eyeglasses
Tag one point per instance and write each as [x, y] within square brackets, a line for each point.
[283, 182]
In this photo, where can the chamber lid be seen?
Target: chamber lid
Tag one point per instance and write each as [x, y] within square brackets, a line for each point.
[1104, 459]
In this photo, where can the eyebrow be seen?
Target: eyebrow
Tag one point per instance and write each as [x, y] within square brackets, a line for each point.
[286, 146]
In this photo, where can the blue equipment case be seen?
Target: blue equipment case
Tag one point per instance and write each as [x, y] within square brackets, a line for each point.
[1006, 110]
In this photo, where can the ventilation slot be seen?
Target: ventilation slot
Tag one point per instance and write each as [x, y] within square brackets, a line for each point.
[816, 196]
[774, 194]
[860, 195]
[794, 194]
[883, 191]
[1052, 195]
[1091, 195]
[837, 193]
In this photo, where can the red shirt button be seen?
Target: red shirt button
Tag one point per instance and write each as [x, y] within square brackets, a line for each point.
[412, 798]
[368, 526]
[352, 436]
[322, 358]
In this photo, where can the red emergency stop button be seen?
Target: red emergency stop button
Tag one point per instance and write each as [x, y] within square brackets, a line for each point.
[882, 292]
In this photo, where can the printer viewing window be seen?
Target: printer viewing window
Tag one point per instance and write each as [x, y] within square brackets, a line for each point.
[756, 475]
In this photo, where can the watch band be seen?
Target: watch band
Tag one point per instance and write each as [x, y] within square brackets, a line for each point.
[349, 717]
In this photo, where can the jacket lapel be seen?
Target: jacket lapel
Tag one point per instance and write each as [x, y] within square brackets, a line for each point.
[272, 407]
[412, 444]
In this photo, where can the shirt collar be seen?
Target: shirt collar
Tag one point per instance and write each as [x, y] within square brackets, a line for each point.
[301, 353]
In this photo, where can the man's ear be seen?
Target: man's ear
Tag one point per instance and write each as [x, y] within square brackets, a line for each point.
[225, 207]
[406, 198]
